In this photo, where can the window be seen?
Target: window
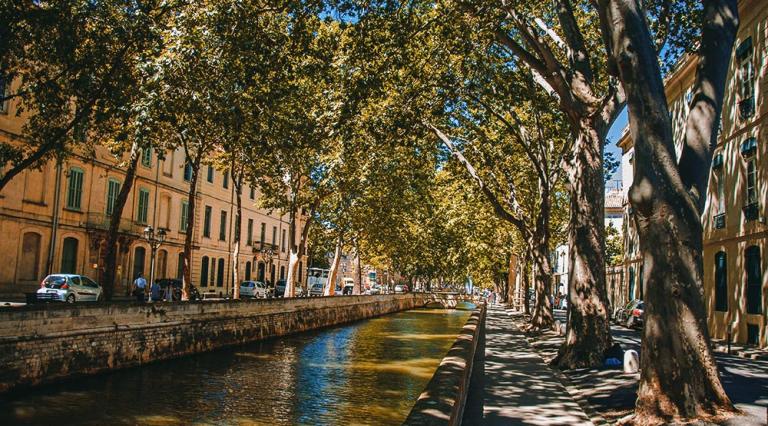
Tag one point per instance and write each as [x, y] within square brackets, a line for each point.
[143, 211]
[146, 157]
[180, 266]
[29, 267]
[261, 274]
[69, 256]
[188, 172]
[207, 222]
[139, 256]
[263, 233]
[249, 236]
[220, 274]
[168, 163]
[631, 283]
[274, 236]
[754, 280]
[210, 174]
[223, 226]
[225, 182]
[751, 195]
[184, 215]
[113, 190]
[247, 271]
[746, 79]
[75, 189]
[253, 194]
[282, 272]
[721, 282]
[282, 244]
[204, 272]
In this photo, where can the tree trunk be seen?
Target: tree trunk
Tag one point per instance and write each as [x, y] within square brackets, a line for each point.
[236, 247]
[110, 262]
[330, 286]
[359, 268]
[526, 283]
[588, 331]
[679, 381]
[293, 254]
[188, 236]
[542, 312]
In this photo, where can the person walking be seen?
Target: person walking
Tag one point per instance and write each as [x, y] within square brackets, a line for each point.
[155, 292]
[139, 287]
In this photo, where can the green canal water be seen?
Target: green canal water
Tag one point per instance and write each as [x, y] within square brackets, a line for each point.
[368, 372]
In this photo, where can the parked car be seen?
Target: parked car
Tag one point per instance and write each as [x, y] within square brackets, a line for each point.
[280, 288]
[316, 290]
[373, 290]
[401, 288]
[69, 288]
[349, 286]
[253, 289]
[176, 284]
[631, 315]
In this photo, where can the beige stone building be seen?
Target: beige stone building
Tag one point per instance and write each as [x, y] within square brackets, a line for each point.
[55, 220]
[734, 220]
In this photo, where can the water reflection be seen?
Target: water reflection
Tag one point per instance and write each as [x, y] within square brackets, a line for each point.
[370, 372]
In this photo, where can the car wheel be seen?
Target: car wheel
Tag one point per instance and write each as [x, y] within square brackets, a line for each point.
[71, 298]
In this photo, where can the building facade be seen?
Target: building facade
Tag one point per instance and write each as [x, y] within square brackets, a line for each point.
[734, 218]
[55, 219]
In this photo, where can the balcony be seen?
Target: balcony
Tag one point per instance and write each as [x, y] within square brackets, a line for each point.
[719, 221]
[751, 211]
[100, 221]
[747, 108]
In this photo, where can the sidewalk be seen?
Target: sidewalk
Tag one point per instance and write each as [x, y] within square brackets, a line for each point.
[519, 387]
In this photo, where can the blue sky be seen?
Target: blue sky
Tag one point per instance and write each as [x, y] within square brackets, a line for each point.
[613, 137]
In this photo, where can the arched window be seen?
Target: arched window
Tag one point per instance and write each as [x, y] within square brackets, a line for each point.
[204, 272]
[29, 267]
[69, 256]
[282, 272]
[247, 271]
[721, 281]
[220, 274]
[139, 256]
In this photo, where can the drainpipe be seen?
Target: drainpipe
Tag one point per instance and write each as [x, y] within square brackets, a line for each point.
[55, 225]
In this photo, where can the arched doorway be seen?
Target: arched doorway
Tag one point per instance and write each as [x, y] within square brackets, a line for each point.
[248, 271]
[282, 272]
[162, 264]
[180, 266]
[260, 274]
[29, 267]
[220, 274]
[139, 255]
[204, 272]
[69, 256]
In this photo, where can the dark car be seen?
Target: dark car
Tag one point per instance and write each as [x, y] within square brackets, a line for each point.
[631, 315]
[176, 284]
[280, 288]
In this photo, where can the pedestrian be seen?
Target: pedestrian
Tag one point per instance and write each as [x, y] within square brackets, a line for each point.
[139, 287]
[169, 292]
[155, 292]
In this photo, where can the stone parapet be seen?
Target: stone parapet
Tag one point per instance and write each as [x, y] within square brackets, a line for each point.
[445, 398]
[43, 344]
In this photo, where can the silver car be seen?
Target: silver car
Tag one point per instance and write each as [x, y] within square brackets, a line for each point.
[69, 288]
[253, 289]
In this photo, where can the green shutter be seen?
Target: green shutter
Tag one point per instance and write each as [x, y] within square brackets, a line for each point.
[184, 215]
[113, 190]
[75, 190]
[141, 216]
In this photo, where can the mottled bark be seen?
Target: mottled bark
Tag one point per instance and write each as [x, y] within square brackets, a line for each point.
[588, 330]
[188, 236]
[110, 261]
[237, 182]
[526, 284]
[330, 286]
[679, 379]
[542, 313]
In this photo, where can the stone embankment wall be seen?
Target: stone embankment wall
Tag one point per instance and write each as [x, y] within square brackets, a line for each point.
[447, 395]
[45, 343]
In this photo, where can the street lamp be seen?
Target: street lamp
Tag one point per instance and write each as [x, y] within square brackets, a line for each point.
[155, 239]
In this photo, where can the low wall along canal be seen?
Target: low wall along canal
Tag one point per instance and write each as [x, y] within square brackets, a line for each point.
[364, 372]
[43, 344]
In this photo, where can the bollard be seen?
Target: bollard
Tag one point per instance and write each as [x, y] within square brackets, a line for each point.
[631, 361]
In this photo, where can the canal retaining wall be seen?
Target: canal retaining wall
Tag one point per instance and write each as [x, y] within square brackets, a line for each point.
[45, 343]
[452, 393]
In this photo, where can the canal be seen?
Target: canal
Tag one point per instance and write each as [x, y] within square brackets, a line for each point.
[368, 372]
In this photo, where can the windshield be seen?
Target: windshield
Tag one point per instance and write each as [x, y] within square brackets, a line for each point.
[54, 281]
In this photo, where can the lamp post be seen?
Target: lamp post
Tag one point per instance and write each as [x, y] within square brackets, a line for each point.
[155, 239]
